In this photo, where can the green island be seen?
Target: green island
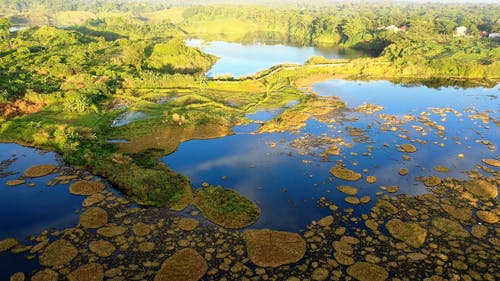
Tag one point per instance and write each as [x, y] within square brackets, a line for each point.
[70, 70]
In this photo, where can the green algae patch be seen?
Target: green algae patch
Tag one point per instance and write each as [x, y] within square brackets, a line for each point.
[341, 172]
[39, 171]
[185, 264]
[185, 200]
[364, 271]
[481, 188]
[147, 181]
[86, 188]
[410, 233]
[268, 248]
[226, 207]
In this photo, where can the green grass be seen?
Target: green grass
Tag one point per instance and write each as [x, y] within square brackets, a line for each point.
[225, 207]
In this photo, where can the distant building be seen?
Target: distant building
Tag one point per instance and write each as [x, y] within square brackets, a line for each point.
[393, 28]
[460, 31]
[494, 36]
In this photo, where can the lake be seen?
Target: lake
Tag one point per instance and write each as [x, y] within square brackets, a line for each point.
[287, 173]
[238, 59]
[287, 183]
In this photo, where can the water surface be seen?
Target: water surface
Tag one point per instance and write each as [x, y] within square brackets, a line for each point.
[287, 182]
[28, 210]
[238, 59]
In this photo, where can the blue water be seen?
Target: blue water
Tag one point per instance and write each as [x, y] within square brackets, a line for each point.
[287, 185]
[240, 59]
[29, 210]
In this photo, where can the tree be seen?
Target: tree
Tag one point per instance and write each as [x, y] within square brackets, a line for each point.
[134, 55]
[4, 29]
[353, 28]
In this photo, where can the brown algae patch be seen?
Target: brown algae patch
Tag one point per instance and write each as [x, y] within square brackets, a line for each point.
[364, 271]
[86, 188]
[481, 188]
[460, 213]
[442, 169]
[93, 199]
[432, 181]
[371, 179]
[7, 244]
[343, 173]
[111, 231]
[386, 206]
[102, 248]
[15, 182]
[88, 272]
[188, 224]
[450, 227]
[169, 137]
[185, 264]
[94, 218]
[487, 217]
[326, 221]
[45, 275]
[39, 171]
[59, 253]
[390, 189]
[352, 200]
[141, 229]
[492, 162]
[410, 233]
[408, 148]
[19, 276]
[268, 248]
[226, 207]
[479, 231]
[349, 190]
